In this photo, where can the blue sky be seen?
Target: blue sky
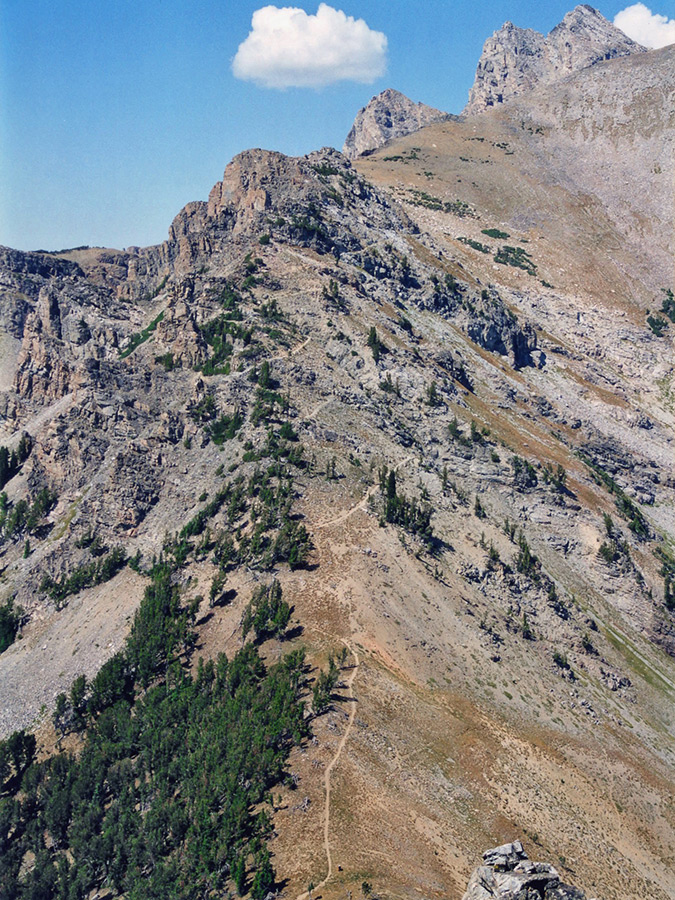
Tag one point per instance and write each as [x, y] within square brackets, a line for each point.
[115, 114]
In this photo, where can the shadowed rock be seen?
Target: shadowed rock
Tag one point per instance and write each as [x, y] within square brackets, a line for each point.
[508, 874]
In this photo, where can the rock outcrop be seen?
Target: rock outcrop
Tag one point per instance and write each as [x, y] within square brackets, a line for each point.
[389, 115]
[508, 874]
[515, 60]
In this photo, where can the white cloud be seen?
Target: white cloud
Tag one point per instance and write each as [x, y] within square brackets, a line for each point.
[647, 28]
[289, 48]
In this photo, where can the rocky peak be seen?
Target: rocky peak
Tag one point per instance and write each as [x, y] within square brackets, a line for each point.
[508, 874]
[515, 60]
[389, 115]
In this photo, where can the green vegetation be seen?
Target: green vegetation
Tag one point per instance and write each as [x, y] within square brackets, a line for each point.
[324, 686]
[413, 517]
[587, 644]
[268, 406]
[166, 795]
[524, 474]
[560, 659]
[158, 290]
[482, 248]
[215, 333]
[510, 529]
[84, 576]
[166, 360]
[376, 346]
[11, 462]
[331, 296]
[526, 561]
[556, 478]
[515, 256]
[455, 207]
[267, 614]
[613, 550]
[478, 435]
[226, 427]
[389, 387]
[24, 516]
[310, 229]
[496, 233]
[324, 170]
[139, 337]
[657, 324]
[10, 621]
[667, 572]
[433, 397]
[406, 157]
[629, 510]
[455, 433]
[668, 304]
[168, 792]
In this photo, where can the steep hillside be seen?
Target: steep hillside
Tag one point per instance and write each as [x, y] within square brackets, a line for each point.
[423, 394]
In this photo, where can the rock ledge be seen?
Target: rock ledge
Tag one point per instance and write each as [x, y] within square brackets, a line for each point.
[508, 874]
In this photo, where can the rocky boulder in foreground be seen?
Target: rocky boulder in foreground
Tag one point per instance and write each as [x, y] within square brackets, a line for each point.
[508, 874]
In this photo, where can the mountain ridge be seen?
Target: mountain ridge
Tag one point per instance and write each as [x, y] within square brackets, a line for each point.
[436, 360]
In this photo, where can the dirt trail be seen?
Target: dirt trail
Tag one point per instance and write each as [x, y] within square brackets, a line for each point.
[326, 778]
[360, 504]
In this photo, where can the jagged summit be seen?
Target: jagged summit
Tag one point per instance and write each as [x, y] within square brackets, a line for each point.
[507, 873]
[515, 60]
[389, 115]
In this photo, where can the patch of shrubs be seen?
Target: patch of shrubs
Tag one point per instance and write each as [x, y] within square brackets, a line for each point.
[84, 576]
[10, 622]
[24, 516]
[524, 474]
[140, 337]
[11, 461]
[267, 614]
[517, 257]
[626, 507]
[413, 517]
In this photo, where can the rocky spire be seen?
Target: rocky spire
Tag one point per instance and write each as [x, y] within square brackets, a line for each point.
[387, 116]
[508, 874]
[515, 60]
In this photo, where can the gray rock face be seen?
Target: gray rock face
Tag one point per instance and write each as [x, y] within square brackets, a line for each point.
[508, 874]
[515, 60]
[387, 116]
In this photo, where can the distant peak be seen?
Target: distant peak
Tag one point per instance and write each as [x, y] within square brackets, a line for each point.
[515, 60]
[388, 115]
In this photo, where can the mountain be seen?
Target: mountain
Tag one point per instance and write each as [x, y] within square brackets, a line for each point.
[425, 399]
[515, 60]
[387, 116]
